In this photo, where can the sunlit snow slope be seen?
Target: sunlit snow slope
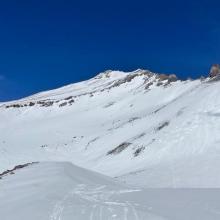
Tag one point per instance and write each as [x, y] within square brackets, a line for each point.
[55, 191]
[143, 128]
[62, 191]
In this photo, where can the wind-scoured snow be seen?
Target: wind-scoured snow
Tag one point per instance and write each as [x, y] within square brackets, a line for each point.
[140, 127]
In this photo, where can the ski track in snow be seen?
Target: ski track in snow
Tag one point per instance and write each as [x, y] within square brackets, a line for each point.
[62, 191]
[104, 204]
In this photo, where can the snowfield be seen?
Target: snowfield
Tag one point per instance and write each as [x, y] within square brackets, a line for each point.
[144, 128]
[54, 191]
[154, 136]
[61, 191]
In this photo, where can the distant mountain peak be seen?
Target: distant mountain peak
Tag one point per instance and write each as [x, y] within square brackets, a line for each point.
[118, 73]
[110, 73]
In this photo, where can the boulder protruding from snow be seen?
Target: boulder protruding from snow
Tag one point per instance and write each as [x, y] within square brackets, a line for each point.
[214, 71]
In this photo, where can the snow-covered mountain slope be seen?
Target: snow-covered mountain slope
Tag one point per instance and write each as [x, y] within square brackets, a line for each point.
[55, 191]
[144, 128]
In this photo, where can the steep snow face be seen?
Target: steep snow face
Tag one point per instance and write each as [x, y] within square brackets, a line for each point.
[61, 191]
[144, 128]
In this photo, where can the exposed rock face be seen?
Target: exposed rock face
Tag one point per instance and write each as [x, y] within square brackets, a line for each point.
[119, 148]
[214, 71]
[170, 78]
[15, 168]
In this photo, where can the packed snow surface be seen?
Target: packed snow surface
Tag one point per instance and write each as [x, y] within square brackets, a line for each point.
[145, 129]
[62, 191]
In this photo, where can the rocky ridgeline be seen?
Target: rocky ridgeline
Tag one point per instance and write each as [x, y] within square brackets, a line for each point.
[11, 172]
[44, 103]
[159, 80]
[149, 78]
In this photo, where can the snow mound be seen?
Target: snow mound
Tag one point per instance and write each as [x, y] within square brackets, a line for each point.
[55, 191]
[62, 191]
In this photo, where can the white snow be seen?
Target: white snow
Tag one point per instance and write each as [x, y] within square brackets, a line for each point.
[54, 191]
[158, 139]
[61, 191]
[175, 128]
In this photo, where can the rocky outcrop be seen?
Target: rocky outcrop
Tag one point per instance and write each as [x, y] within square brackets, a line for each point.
[214, 71]
[162, 125]
[119, 148]
[169, 78]
[14, 169]
[138, 151]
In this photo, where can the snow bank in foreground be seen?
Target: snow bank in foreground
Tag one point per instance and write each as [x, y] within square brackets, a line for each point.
[62, 191]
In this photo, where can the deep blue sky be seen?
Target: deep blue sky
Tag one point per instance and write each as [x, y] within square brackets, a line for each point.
[47, 44]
